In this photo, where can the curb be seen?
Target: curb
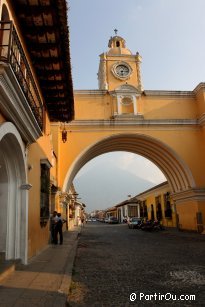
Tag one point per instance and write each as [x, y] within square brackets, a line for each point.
[68, 269]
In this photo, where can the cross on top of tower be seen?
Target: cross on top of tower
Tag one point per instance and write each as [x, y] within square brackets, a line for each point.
[115, 30]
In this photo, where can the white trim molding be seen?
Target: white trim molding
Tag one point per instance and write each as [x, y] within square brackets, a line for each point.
[201, 120]
[14, 159]
[197, 194]
[14, 106]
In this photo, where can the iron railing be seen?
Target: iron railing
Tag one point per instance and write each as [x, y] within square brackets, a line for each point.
[11, 52]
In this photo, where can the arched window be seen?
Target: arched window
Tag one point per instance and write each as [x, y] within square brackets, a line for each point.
[5, 13]
[167, 206]
[4, 33]
[45, 192]
[152, 212]
[127, 105]
[118, 44]
[159, 212]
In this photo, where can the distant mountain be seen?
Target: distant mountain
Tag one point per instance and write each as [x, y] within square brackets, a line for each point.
[103, 186]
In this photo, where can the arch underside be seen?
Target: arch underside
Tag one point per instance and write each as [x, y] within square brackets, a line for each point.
[13, 200]
[174, 169]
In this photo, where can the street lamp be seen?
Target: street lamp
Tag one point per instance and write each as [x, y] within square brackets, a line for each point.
[64, 134]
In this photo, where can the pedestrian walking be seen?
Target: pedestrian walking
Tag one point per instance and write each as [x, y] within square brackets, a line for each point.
[59, 229]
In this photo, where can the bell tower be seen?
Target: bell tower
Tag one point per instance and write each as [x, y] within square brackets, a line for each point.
[118, 66]
[119, 73]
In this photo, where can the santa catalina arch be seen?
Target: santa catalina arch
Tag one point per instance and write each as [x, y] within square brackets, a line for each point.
[166, 127]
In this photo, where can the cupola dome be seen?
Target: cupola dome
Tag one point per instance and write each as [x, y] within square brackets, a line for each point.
[117, 46]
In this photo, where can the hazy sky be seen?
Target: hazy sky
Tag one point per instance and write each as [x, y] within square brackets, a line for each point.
[168, 34]
[132, 163]
[109, 178]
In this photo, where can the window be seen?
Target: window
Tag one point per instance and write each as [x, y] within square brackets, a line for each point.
[167, 206]
[123, 210]
[145, 214]
[158, 208]
[45, 193]
[143, 209]
[152, 212]
[132, 211]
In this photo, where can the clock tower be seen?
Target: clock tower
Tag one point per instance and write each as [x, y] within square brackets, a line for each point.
[119, 73]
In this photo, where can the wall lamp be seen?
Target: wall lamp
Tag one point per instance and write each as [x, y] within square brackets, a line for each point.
[64, 134]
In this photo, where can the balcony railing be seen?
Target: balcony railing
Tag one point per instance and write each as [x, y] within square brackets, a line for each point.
[11, 52]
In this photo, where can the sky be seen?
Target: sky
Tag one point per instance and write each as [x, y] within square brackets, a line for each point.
[109, 178]
[130, 162]
[168, 34]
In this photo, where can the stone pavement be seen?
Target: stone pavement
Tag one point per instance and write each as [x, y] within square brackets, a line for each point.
[45, 281]
[119, 267]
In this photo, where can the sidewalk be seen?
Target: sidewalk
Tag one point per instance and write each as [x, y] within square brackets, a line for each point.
[45, 281]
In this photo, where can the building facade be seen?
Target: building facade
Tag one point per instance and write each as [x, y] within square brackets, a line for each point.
[35, 89]
[158, 204]
[153, 204]
[42, 146]
[166, 127]
[127, 209]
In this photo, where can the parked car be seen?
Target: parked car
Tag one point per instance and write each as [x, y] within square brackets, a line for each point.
[113, 220]
[106, 220]
[102, 220]
[133, 222]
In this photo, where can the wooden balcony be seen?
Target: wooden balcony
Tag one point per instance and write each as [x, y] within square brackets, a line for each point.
[44, 28]
[12, 54]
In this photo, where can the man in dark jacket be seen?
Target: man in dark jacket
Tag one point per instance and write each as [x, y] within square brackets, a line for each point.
[59, 229]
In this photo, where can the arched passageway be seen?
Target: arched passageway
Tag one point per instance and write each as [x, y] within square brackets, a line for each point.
[174, 169]
[13, 194]
[189, 200]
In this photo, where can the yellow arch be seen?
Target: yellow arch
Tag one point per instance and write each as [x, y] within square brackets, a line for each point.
[174, 168]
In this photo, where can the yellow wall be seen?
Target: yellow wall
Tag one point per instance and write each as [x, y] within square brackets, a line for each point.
[38, 236]
[150, 198]
[100, 105]
[41, 149]
[200, 100]
[187, 215]
[156, 107]
[92, 106]
[93, 112]
[182, 141]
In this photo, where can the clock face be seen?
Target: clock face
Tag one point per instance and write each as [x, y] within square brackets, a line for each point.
[121, 70]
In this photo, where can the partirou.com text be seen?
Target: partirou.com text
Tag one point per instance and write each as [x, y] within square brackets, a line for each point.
[160, 297]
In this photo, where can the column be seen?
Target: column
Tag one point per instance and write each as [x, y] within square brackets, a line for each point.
[119, 109]
[134, 101]
[138, 209]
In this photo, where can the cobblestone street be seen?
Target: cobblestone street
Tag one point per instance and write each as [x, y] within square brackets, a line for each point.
[113, 261]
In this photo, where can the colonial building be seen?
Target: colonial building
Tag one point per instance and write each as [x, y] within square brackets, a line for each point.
[43, 146]
[127, 209]
[35, 89]
[159, 205]
[153, 204]
[166, 127]
[112, 211]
